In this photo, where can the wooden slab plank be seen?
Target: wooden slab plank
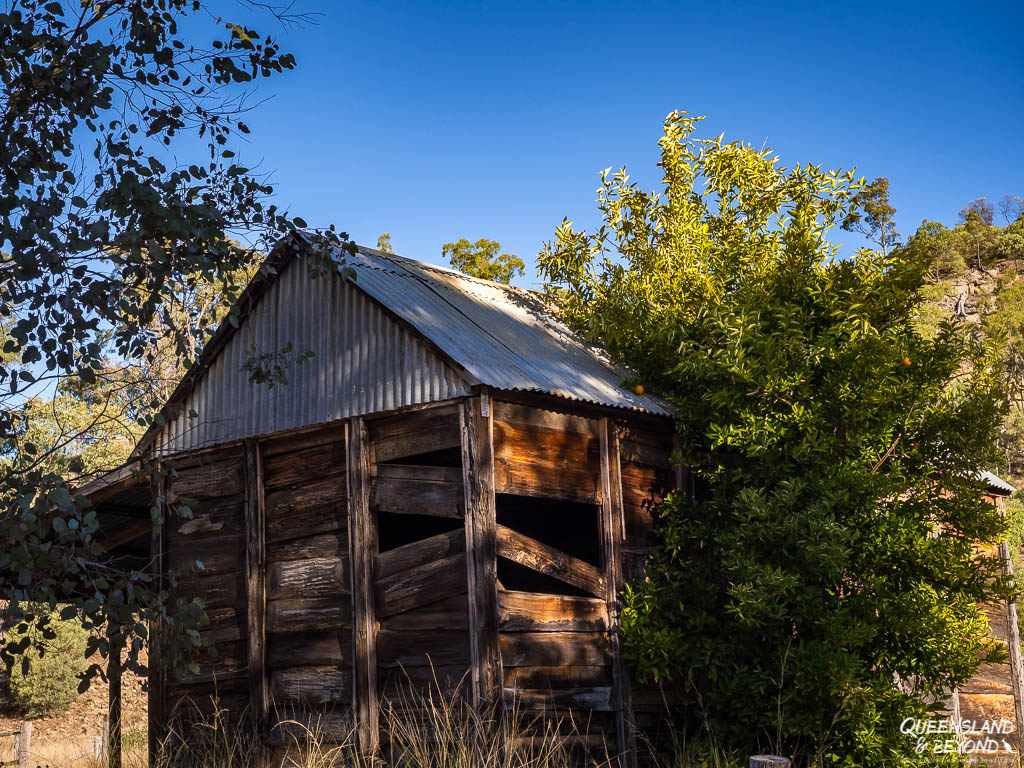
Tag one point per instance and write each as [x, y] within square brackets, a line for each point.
[450, 613]
[256, 595]
[418, 649]
[546, 447]
[526, 479]
[334, 544]
[513, 413]
[557, 677]
[421, 586]
[417, 497]
[598, 699]
[317, 577]
[209, 518]
[208, 480]
[406, 684]
[531, 553]
[310, 685]
[225, 590]
[319, 613]
[313, 647]
[285, 502]
[419, 553]
[554, 649]
[532, 612]
[210, 556]
[302, 466]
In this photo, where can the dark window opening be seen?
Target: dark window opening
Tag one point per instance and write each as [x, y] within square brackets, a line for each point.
[448, 457]
[568, 526]
[396, 530]
[513, 576]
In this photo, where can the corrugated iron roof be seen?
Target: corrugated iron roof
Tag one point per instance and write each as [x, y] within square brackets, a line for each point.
[996, 482]
[504, 337]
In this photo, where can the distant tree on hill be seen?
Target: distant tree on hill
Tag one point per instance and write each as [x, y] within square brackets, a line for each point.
[481, 259]
[872, 214]
[1011, 207]
[939, 247]
[976, 226]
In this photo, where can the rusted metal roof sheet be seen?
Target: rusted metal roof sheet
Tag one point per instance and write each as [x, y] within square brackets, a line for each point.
[502, 336]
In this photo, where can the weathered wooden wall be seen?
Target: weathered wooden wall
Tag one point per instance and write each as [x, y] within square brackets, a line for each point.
[205, 558]
[308, 582]
[340, 565]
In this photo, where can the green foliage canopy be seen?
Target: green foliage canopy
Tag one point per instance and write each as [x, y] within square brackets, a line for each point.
[483, 259]
[819, 581]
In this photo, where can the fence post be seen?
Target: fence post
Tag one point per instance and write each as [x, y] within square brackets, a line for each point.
[23, 748]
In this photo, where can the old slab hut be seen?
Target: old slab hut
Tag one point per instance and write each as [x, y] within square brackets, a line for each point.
[454, 479]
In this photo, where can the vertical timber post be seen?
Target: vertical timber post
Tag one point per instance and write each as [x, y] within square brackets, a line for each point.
[1013, 647]
[363, 547]
[157, 546]
[476, 426]
[114, 706]
[23, 746]
[613, 528]
[255, 558]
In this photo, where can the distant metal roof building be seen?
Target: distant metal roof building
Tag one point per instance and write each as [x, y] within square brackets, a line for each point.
[401, 333]
[995, 482]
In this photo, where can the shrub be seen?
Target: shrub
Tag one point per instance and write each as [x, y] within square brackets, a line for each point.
[55, 659]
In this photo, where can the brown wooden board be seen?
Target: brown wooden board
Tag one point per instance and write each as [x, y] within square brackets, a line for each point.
[207, 480]
[317, 613]
[418, 649]
[449, 614]
[419, 553]
[410, 434]
[990, 678]
[523, 478]
[283, 525]
[331, 545]
[546, 447]
[311, 685]
[210, 518]
[555, 649]
[323, 493]
[421, 586]
[598, 699]
[547, 560]
[557, 677]
[225, 590]
[304, 579]
[299, 467]
[209, 556]
[530, 416]
[532, 612]
[310, 647]
[409, 685]
[417, 497]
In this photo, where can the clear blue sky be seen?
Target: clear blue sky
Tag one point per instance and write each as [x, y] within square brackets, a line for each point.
[438, 121]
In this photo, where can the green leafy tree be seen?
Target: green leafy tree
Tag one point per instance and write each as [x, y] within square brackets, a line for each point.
[822, 581]
[120, 190]
[481, 259]
[940, 247]
[46, 682]
[871, 214]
